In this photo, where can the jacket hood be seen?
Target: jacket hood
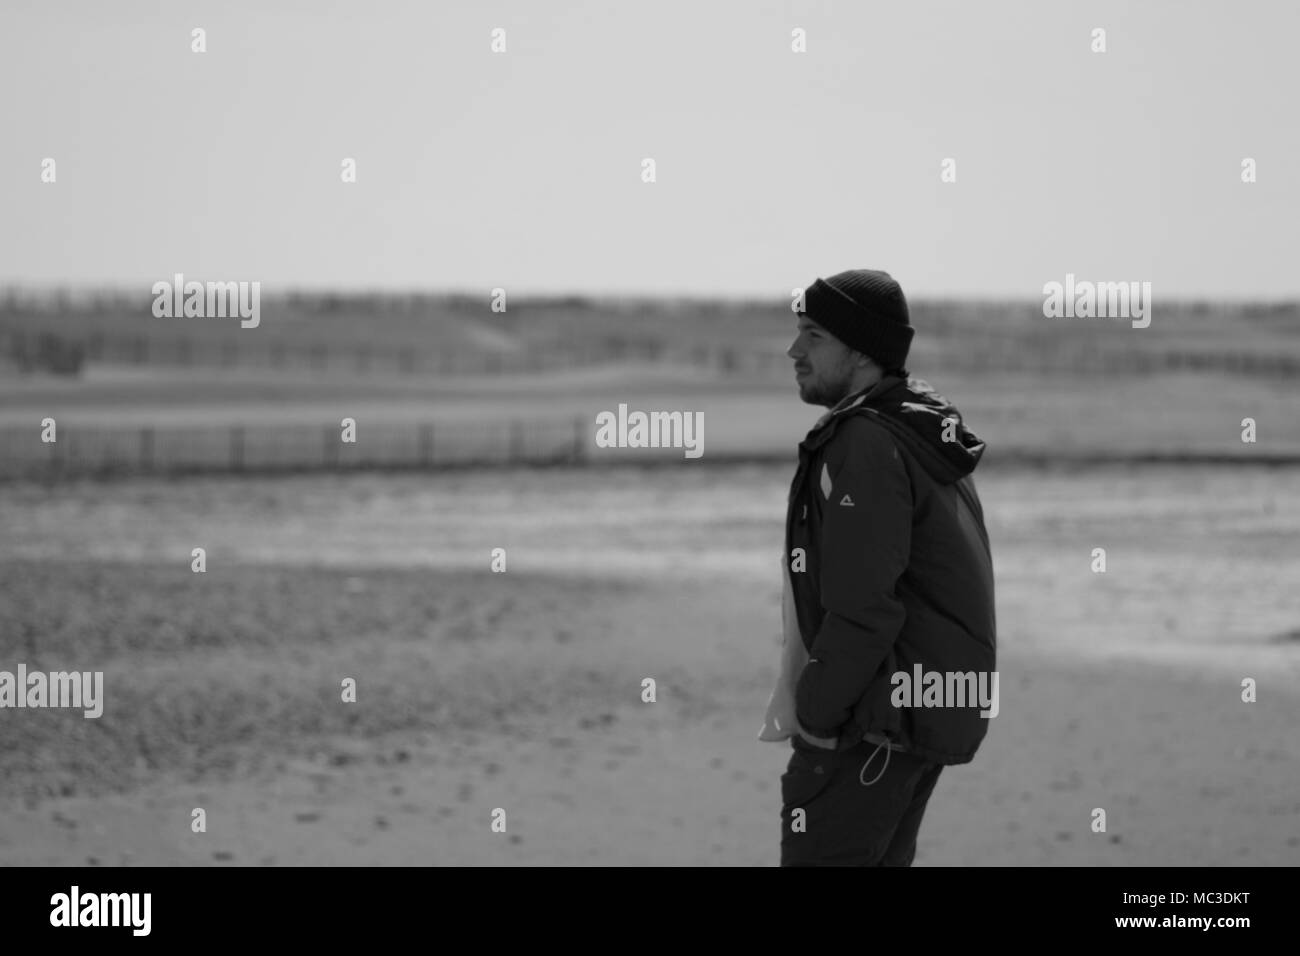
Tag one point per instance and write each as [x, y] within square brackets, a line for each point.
[919, 416]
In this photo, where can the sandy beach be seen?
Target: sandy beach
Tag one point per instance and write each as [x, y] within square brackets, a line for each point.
[522, 691]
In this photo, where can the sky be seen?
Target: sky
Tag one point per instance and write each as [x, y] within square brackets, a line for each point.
[523, 170]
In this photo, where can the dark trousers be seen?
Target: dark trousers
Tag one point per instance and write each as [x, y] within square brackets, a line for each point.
[844, 822]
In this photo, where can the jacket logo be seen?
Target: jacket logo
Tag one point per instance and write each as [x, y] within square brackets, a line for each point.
[826, 482]
[846, 501]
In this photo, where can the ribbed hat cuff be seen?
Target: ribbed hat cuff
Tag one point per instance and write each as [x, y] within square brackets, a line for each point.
[860, 327]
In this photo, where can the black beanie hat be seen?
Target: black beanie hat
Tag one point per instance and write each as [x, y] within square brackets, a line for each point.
[864, 309]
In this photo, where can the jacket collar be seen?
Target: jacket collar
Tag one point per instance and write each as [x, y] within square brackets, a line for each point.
[823, 430]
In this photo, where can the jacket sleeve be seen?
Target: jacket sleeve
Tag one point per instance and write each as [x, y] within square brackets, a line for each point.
[865, 542]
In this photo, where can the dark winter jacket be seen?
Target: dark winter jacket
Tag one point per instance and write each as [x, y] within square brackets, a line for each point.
[898, 569]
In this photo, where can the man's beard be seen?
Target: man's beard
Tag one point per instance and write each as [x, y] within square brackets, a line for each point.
[824, 391]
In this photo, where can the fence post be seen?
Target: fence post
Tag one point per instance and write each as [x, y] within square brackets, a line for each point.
[579, 439]
[516, 452]
[330, 445]
[426, 444]
[237, 448]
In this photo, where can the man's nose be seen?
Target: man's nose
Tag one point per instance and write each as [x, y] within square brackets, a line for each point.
[794, 351]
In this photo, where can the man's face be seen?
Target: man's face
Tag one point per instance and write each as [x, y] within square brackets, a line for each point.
[824, 366]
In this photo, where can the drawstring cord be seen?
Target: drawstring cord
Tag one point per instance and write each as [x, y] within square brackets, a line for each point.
[863, 771]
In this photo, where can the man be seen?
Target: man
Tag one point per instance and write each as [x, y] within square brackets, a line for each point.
[887, 572]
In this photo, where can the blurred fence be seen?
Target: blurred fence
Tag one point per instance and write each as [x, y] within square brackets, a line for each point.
[82, 452]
